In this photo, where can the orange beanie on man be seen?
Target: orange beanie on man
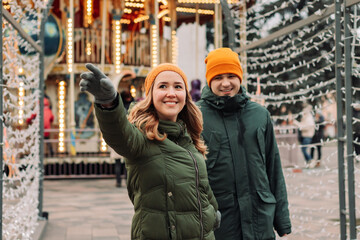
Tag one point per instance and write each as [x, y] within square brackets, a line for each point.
[221, 61]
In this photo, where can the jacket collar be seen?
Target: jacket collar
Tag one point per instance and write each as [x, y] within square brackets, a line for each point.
[225, 103]
[174, 130]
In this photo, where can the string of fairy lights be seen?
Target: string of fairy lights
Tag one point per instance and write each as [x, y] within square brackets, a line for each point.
[300, 67]
[21, 132]
[285, 6]
[283, 56]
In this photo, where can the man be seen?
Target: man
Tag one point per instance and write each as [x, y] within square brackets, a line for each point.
[243, 162]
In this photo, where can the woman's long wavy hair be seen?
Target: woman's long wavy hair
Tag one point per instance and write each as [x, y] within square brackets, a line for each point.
[145, 118]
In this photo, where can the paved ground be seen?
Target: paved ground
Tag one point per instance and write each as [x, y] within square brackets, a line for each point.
[86, 210]
[97, 210]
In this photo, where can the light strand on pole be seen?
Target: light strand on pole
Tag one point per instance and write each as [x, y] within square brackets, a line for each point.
[88, 48]
[154, 46]
[88, 12]
[70, 50]
[117, 43]
[61, 114]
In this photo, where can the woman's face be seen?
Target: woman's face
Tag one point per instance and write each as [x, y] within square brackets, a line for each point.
[169, 95]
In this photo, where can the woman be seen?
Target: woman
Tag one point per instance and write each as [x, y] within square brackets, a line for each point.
[167, 179]
[307, 130]
[317, 139]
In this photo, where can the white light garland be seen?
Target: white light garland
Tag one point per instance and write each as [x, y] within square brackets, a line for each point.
[290, 82]
[21, 141]
[299, 93]
[291, 52]
[297, 36]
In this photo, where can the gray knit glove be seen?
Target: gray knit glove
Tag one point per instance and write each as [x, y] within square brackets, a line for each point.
[98, 84]
[218, 220]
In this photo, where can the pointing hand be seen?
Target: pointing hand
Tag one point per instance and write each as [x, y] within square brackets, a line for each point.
[98, 84]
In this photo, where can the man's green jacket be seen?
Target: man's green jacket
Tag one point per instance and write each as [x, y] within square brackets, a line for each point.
[244, 167]
[167, 181]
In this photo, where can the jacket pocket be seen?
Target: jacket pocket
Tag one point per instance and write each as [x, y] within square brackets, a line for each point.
[209, 218]
[261, 142]
[213, 148]
[264, 213]
[225, 201]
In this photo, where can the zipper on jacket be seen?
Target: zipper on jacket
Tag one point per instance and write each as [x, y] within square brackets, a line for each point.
[198, 194]
[197, 188]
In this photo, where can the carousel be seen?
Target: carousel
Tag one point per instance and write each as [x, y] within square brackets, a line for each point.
[125, 39]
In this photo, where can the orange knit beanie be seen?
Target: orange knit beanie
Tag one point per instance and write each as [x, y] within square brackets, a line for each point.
[221, 61]
[161, 68]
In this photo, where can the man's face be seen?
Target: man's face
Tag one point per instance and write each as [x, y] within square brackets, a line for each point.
[227, 84]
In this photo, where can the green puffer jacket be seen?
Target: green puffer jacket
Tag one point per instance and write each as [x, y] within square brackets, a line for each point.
[244, 167]
[167, 181]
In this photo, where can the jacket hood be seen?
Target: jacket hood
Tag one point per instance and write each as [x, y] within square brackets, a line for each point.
[225, 103]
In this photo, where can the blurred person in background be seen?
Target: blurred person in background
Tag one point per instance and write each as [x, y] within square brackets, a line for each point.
[317, 138]
[48, 120]
[126, 98]
[306, 131]
[195, 91]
